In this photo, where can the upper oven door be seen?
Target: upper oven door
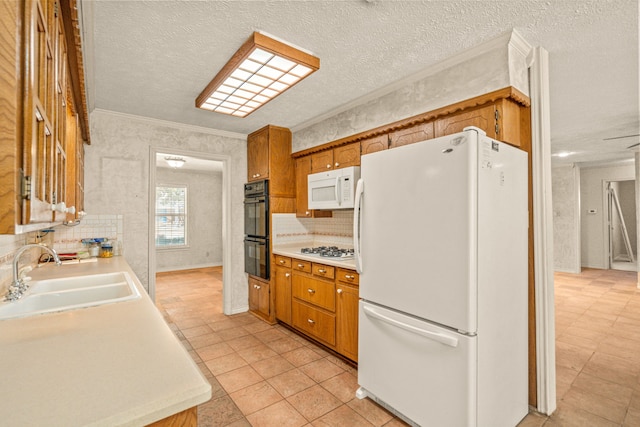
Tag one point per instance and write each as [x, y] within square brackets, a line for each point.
[256, 217]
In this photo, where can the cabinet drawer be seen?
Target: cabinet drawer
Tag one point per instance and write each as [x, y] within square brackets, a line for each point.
[315, 291]
[323, 270]
[283, 261]
[348, 276]
[316, 323]
[299, 265]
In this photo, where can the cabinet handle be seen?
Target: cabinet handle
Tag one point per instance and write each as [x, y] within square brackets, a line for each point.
[311, 321]
[281, 261]
[311, 291]
[348, 276]
[256, 175]
[322, 270]
[328, 165]
[287, 274]
[339, 291]
[256, 286]
[300, 265]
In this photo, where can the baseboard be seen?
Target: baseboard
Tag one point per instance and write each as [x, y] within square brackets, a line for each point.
[567, 270]
[188, 267]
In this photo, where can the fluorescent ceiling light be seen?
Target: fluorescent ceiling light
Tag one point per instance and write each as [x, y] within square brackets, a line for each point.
[563, 154]
[259, 71]
[175, 162]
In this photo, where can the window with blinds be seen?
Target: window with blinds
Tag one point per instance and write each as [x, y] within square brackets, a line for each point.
[171, 216]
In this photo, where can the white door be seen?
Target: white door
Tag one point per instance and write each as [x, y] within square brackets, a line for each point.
[417, 229]
[425, 372]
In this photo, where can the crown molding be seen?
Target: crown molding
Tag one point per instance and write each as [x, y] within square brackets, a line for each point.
[170, 124]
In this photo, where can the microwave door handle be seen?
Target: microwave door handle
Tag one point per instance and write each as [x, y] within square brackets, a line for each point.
[356, 225]
[337, 190]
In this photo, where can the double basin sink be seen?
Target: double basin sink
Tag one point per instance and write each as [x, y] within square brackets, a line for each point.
[71, 293]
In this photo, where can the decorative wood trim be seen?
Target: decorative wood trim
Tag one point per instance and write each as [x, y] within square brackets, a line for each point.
[186, 418]
[69, 9]
[508, 92]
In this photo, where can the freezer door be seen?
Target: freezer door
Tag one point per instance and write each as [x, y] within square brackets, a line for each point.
[417, 229]
[425, 372]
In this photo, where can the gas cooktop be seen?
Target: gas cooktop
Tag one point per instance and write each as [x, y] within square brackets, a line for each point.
[329, 252]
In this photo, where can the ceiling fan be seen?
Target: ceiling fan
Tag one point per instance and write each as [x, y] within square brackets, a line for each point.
[622, 137]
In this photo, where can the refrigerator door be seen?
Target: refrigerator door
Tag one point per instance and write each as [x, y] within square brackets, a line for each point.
[425, 372]
[417, 229]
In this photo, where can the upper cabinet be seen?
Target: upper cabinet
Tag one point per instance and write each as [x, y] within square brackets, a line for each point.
[410, 135]
[269, 150]
[339, 157]
[39, 106]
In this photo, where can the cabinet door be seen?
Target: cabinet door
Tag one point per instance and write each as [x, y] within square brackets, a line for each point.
[258, 156]
[347, 155]
[317, 323]
[39, 132]
[259, 297]
[283, 294]
[483, 118]
[347, 297]
[303, 169]
[322, 161]
[411, 135]
[377, 143]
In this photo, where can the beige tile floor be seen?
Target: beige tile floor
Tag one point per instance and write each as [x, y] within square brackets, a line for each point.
[264, 375]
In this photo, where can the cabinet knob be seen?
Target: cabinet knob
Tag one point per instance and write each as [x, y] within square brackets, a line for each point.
[287, 274]
[339, 291]
[307, 213]
[256, 286]
[328, 165]
[311, 291]
[322, 270]
[300, 265]
[281, 261]
[311, 321]
[337, 164]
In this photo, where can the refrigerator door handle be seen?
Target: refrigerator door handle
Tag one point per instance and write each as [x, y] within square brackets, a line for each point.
[356, 225]
[441, 338]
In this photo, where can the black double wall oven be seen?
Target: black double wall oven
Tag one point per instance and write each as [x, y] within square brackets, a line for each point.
[256, 228]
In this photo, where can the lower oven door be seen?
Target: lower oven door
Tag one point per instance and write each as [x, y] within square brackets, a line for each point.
[256, 257]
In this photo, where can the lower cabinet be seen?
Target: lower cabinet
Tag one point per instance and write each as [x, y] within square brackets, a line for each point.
[282, 285]
[320, 301]
[259, 302]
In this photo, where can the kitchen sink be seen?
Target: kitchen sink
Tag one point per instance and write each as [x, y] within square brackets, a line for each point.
[72, 293]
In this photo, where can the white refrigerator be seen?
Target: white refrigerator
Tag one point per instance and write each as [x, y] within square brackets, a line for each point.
[440, 235]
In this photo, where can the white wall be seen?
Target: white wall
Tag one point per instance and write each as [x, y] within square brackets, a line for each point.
[204, 220]
[593, 232]
[566, 213]
[117, 182]
[494, 65]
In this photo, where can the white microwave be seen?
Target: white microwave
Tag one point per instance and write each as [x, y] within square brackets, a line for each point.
[333, 189]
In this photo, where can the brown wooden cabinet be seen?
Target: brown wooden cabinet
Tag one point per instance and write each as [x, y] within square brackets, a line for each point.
[259, 297]
[303, 169]
[282, 288]
[269, 157]
[347, 300]
[324, 305]
[410, 135]
[376, 143]
[37, 97]
[336, 158]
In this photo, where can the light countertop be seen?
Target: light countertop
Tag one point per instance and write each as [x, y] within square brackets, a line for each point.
[293, 251]
[111, 365]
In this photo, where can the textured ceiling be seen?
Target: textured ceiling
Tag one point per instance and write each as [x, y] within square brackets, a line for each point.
[153, 58]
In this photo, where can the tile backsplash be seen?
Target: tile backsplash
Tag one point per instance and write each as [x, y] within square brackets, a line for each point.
[68, 238]
[337, 230]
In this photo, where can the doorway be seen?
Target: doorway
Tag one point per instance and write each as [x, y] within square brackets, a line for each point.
[621, 225]
[206, 179]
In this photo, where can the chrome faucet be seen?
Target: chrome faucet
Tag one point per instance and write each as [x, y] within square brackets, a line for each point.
[19, 286]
